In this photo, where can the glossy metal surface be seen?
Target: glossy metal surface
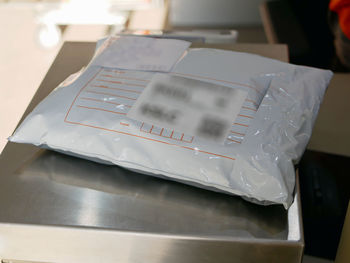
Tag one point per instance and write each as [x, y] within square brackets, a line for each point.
[46, 188]
[53, 189]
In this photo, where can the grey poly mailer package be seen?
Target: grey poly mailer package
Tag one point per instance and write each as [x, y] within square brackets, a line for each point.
[89, 117]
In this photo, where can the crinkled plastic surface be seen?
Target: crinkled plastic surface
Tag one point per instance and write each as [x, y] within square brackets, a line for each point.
[87, 118]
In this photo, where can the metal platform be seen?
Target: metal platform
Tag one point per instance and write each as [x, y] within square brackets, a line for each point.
[58, 208]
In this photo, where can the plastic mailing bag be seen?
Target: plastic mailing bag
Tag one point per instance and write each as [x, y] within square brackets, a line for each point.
[99, 116]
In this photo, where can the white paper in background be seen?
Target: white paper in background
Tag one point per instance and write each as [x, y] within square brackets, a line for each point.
[189, 106]
[141, 53]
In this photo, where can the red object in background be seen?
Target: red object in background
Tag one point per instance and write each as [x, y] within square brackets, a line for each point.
[342, 8]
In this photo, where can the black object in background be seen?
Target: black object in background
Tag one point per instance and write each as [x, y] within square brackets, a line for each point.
[303, 26]
[325, 192]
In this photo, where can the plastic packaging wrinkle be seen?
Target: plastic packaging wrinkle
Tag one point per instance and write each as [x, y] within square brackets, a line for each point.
[87, 117]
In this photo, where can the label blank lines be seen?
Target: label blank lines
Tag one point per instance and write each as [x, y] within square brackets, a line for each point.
[233, 140]
[99, 109]
[241, 124]
[114, 71]
[107, 87]
[238, 133]
[109, 102]
[121, 83]
[245, 116]
[247, 108]
[127, 78]
[151, 131]
[109, 94]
